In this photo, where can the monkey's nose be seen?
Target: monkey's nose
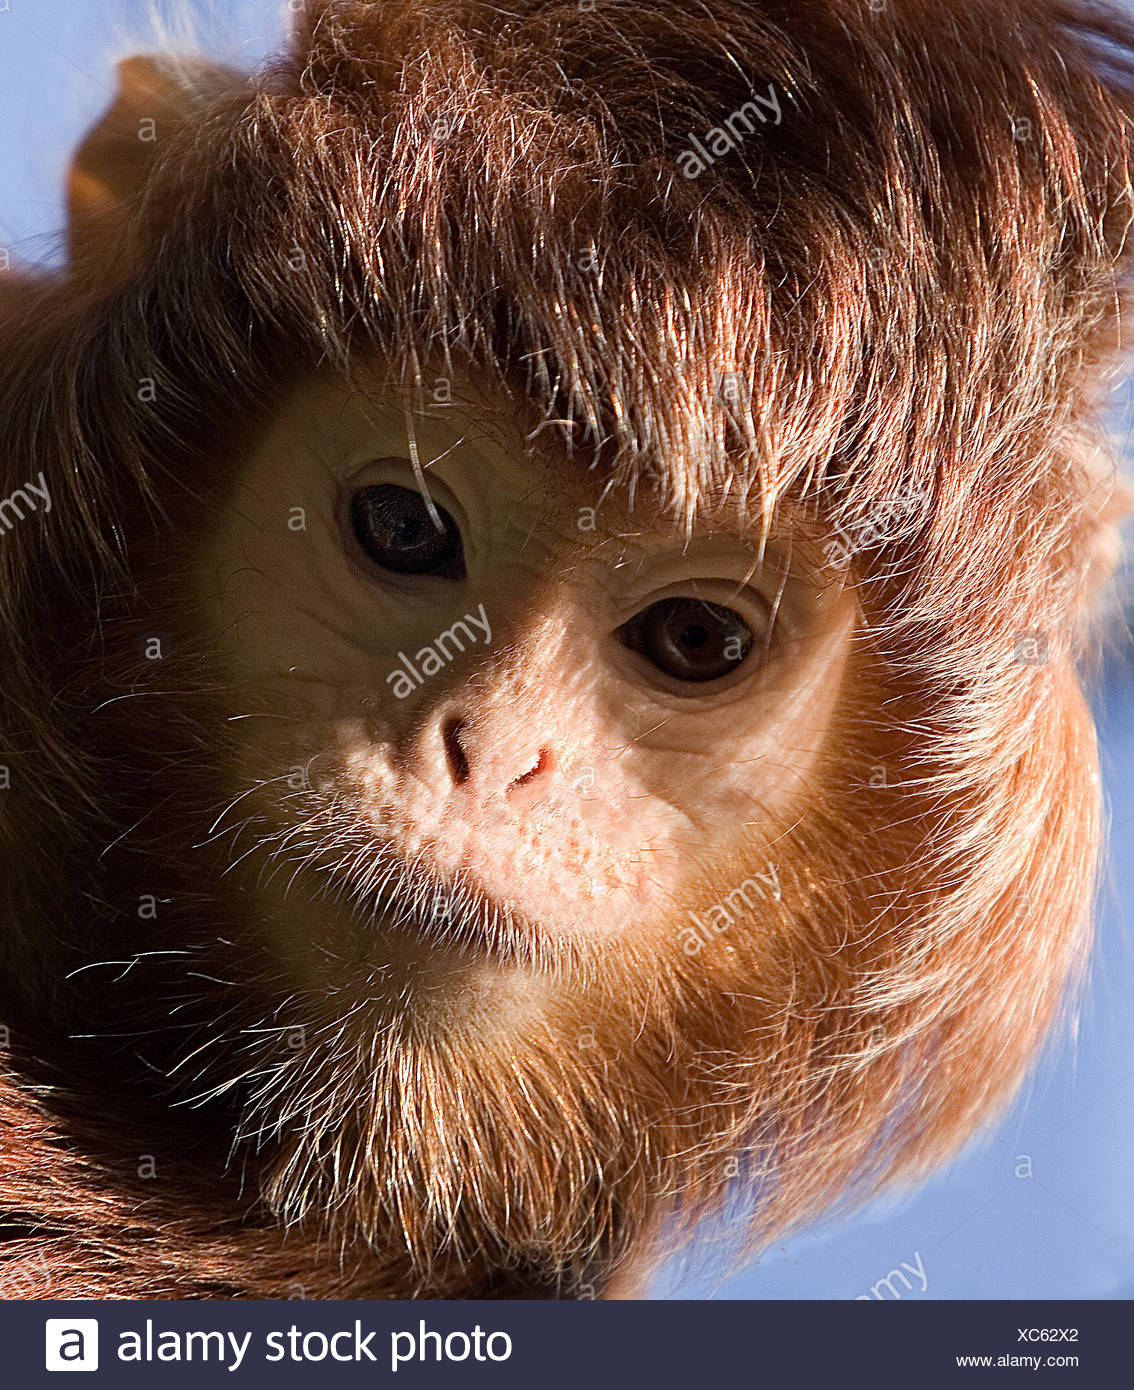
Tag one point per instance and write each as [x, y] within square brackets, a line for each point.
[509, 770]
[455, 753]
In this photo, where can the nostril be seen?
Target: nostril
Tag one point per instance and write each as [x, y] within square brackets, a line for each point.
[454, 752]
[543, 764]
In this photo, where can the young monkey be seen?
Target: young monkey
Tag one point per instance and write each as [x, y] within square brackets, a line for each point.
[545, 692]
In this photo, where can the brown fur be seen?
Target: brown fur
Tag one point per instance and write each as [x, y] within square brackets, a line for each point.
[918, 303]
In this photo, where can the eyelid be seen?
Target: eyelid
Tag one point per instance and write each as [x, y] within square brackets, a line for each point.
[400, 470]
[750, 603]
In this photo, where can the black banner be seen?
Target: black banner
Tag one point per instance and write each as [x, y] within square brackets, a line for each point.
[578, 1345]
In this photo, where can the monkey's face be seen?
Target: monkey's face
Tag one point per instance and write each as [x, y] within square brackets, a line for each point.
[509, 763]
[499, 722]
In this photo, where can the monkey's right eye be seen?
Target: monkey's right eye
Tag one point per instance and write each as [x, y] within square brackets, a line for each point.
[396, 530]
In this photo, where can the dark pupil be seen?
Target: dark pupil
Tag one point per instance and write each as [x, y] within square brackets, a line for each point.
[393, 525]
[688, 638]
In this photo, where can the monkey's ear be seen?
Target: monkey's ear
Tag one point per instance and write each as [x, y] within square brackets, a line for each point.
[156, 95]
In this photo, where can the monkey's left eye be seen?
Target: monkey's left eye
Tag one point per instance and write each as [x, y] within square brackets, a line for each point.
[394, 526]
[689, 639]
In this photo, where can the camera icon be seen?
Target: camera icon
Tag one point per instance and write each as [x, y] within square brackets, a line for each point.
[72, 1344]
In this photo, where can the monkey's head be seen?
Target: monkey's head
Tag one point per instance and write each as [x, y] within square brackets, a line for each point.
[546, 688]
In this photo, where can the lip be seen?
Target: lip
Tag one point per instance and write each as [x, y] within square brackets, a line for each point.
[389, 888]
[462, 915]
[478, 929]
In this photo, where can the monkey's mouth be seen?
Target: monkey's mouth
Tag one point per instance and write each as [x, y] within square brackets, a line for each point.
[468, 927]
[444, 923]
[393, 890]
[453, 914]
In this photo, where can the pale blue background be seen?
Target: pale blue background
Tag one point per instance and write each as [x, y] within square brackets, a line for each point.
[977, 1229]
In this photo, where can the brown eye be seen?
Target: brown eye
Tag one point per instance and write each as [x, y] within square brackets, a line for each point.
[689, 639]
[394, 526]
